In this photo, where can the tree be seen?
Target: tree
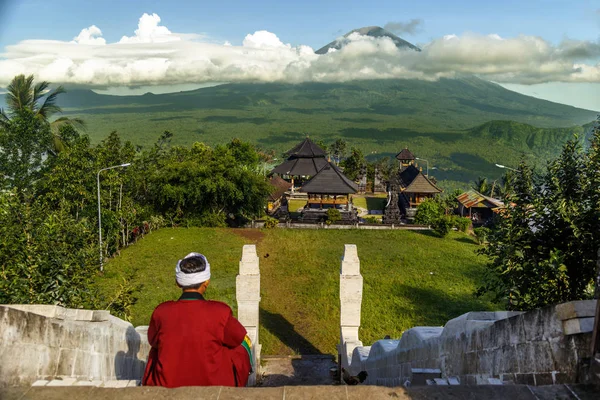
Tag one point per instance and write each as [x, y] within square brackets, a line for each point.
[543, 248]
[353, 164]
[38, 99]
[482, 186]
[338, 149]
[24, 140]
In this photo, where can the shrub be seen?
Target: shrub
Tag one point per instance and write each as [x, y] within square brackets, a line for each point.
[428, 212]
[333, 215]
[270, 222]
[442, 226]
[372, 220]
[481, 234]
[461, 223]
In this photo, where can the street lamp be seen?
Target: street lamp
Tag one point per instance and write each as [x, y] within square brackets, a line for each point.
[505, 167]
[100, 213]
[426, 164]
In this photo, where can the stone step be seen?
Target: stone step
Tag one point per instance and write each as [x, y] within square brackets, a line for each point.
[96, 383]
[490, 392]
[296, 370]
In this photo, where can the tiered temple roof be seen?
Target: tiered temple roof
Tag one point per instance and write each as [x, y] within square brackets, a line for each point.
[280, 186]
[405, 154]
[305, 159]
[413, 181]
[330, 180]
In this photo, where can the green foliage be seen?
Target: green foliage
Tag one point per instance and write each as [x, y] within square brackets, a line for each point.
[353, 164]
[372, 220]
[481, 234]
[270, 222]
[24, 141]
[443, 225]
[205, 184]
[46, 256]
[333, 216]
[428, 212]
[124, 298]
[543, 249]
[338, 149]
[461, 223]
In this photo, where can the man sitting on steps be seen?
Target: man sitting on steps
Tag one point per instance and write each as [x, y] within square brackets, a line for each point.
[196, 342]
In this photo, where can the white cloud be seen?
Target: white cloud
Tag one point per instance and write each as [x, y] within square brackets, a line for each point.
[149, 31]
[264, 39]
[411, 27]
[156, 56]
[91, 35]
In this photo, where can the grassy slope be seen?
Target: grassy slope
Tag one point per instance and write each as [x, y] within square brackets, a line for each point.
[300, 279]
[435, 119]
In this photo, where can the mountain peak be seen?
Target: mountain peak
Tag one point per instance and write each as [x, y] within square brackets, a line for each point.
[373, 31]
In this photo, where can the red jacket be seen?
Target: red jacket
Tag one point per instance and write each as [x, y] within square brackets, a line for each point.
[195, 342]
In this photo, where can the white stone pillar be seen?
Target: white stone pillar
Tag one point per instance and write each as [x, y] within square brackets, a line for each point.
[248, 298]
[351, 286]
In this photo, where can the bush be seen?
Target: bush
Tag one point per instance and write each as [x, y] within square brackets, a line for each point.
[211, 220]
[428, 212]
[333, 215]
[372, 220]
[442, 226]
[270, 222]
[461, 223]
[481, 234]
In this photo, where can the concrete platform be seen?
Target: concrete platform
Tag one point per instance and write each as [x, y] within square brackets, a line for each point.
[491, 392]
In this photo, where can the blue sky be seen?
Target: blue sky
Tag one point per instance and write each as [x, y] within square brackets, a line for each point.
[542, 33]
[309, 22]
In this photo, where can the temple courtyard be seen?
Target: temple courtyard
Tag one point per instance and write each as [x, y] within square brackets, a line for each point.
[411, 279]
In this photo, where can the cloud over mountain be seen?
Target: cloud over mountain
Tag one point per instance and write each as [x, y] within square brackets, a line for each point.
[411, 27]
[154, 55]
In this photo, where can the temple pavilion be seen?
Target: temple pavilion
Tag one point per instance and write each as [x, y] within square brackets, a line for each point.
[414, 187]
[329, 188]
[302, 162]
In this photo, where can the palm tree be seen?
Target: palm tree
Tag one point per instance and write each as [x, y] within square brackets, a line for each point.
[481, 185]
[41, 101]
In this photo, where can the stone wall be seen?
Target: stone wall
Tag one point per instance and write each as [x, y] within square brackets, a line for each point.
[48, 342]
[539, 347]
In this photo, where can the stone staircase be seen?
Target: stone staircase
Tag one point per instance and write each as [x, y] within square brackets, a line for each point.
[296, 370]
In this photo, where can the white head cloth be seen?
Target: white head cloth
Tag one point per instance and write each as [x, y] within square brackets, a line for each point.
[195, 278]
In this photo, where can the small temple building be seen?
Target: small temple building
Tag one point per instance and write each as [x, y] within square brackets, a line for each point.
[303, 162]
[329, 188]
[412, 186]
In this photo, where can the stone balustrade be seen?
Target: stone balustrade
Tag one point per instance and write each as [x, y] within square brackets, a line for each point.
[40, 342]
[248, 299]
[351, 286]
[540, 347]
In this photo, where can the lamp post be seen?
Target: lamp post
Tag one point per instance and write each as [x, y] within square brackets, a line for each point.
[505, 167]
[99, 212]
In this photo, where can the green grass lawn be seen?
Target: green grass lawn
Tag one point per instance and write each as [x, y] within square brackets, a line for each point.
[293, 205]
[370, 202]
[410, 279]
